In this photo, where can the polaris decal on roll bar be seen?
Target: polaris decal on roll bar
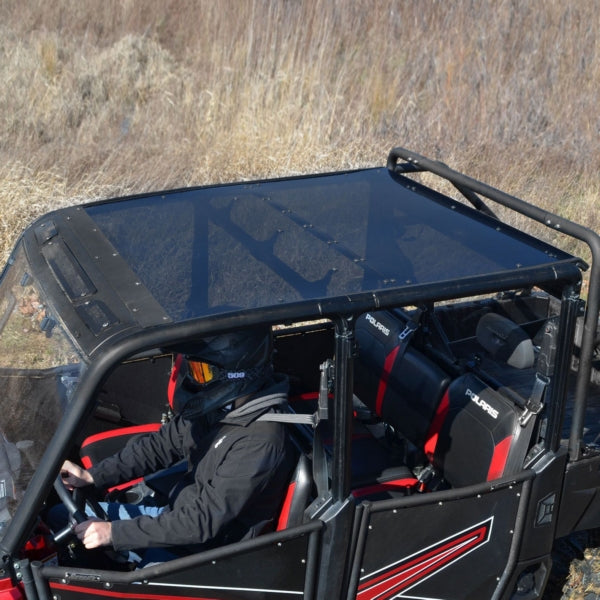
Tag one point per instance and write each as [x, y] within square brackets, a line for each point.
[396, 579]
[482, 404]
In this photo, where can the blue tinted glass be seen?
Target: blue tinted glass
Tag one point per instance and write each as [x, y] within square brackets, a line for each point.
[264, 244]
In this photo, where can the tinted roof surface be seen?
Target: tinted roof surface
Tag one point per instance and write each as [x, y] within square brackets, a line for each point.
[319, 237]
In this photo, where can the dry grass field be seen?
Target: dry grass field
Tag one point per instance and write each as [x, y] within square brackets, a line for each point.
[106, 98]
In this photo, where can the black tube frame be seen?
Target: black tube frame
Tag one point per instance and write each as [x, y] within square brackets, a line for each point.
[416, 163]
[340, 310]
[131, 342]
[81, 575]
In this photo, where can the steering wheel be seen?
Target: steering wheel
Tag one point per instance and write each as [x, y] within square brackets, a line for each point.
[75, 502]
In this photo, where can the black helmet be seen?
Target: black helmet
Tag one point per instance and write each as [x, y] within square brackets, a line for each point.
[221, 368]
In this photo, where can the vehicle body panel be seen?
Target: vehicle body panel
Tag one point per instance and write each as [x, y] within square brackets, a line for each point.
[463, 535]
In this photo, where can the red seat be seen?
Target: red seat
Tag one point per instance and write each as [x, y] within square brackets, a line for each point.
[477, 434]
[397, 382]
[101, 445]
[468, 431]
[297, 496]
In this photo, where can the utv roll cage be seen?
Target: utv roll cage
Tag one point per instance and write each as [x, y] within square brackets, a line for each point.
[559, 274]
[472, 189]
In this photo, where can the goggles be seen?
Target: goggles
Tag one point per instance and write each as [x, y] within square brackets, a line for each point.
[202, 372]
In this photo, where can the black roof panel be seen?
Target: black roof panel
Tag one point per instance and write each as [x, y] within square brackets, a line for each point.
[205, 250]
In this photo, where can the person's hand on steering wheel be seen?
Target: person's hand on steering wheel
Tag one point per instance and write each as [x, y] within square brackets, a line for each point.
[94, 533]
[74, 476]
[73, 488]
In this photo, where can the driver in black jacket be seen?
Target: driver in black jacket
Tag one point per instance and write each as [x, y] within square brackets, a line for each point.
[238, 464]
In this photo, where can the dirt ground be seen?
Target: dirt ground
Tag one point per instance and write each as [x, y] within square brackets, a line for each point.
[576, 569]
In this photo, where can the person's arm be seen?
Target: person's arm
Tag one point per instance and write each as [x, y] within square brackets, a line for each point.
[203, 510]
[93, 532]
[141, 456]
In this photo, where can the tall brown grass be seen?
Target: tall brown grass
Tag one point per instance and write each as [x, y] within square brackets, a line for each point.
[105, 98]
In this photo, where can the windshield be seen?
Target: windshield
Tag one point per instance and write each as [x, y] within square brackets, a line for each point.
[38, 371]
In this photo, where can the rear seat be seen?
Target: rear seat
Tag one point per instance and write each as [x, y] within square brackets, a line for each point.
[401, 385]
[468, 432]
[476, 435]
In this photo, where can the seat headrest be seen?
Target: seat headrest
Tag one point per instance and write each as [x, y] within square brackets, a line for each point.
[505, 341]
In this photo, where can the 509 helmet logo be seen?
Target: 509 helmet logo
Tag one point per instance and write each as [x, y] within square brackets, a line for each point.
[236, 374]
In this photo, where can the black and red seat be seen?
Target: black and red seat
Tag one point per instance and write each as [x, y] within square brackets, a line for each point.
[468, 431]
[101, 445]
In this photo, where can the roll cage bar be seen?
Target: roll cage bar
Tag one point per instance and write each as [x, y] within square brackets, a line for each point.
[341, 314]
[472, 189]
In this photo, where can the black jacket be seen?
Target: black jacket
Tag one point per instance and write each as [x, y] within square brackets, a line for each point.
[238, 472]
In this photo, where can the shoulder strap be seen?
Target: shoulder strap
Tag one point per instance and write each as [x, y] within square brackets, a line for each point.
[311, 419]
[319, 454]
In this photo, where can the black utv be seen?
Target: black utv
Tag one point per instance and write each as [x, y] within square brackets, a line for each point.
[440, 361]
